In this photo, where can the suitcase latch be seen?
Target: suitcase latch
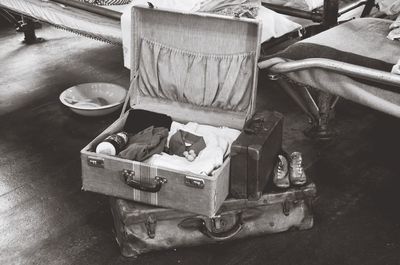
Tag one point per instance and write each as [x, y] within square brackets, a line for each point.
[194, 182]
[95, 162]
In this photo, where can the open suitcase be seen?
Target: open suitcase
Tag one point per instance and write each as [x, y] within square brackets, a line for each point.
[192, 67]
[141, 228]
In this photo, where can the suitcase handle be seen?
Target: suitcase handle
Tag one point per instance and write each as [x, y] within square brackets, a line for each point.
[236, 228]
[128, 177]
[254, 125]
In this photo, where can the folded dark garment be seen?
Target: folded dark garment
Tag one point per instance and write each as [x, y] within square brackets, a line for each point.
[183, 141]
[139, 120]
[146, 143]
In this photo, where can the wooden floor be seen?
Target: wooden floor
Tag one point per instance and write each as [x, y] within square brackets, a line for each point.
[45, 218]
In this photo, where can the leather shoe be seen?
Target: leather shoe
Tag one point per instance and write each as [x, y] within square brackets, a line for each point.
[281, 176]
[297, 175]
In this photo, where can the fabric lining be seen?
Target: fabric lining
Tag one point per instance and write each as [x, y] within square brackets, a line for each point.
[209, 80]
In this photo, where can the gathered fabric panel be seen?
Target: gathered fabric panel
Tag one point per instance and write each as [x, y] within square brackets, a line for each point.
[207, 80]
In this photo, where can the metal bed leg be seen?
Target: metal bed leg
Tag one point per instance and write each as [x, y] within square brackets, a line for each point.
[319, 111]
[297, 99]
[28, 26]
[321, 129]
[25, 25]
[330, 14]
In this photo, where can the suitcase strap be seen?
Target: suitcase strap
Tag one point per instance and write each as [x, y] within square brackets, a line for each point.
[201, 225]
[129, 94]
[254, 126]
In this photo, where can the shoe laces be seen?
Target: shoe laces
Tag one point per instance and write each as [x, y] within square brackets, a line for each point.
[280, 167]
[297, 164]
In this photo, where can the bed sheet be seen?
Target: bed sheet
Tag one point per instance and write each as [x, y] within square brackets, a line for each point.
[79, 21]
[307, 5]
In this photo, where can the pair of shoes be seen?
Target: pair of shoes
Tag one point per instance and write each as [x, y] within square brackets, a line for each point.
[286, 173]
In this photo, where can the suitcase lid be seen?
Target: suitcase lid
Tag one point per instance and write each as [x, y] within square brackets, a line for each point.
[194, 66]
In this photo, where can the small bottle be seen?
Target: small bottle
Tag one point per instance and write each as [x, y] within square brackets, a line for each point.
[113, 144]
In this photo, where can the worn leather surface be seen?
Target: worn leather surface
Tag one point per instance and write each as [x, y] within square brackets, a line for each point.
[159, 228]
[254, 153]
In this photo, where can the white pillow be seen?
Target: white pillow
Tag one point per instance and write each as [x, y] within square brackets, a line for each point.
[298, 4]
[389, 7]
[274, 25]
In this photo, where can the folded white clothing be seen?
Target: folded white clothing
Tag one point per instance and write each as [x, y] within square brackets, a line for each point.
[213, 136]
[274, 25]
[202, 165]
[396, 68]
[389, 7]
[394, 33]
[218, 142]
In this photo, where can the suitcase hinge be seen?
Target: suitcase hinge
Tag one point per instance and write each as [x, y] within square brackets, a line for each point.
[95, 161]
[150, 225]
[286, 207]
[193, 182]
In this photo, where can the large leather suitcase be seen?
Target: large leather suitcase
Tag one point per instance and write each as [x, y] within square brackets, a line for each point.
[141, 228]
[254, 153]
[192, 67]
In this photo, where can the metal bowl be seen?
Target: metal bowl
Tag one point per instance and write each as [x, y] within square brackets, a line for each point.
[93, 99]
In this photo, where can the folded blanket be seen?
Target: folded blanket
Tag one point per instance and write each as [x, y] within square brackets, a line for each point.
[218, 142]
[362, 42]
